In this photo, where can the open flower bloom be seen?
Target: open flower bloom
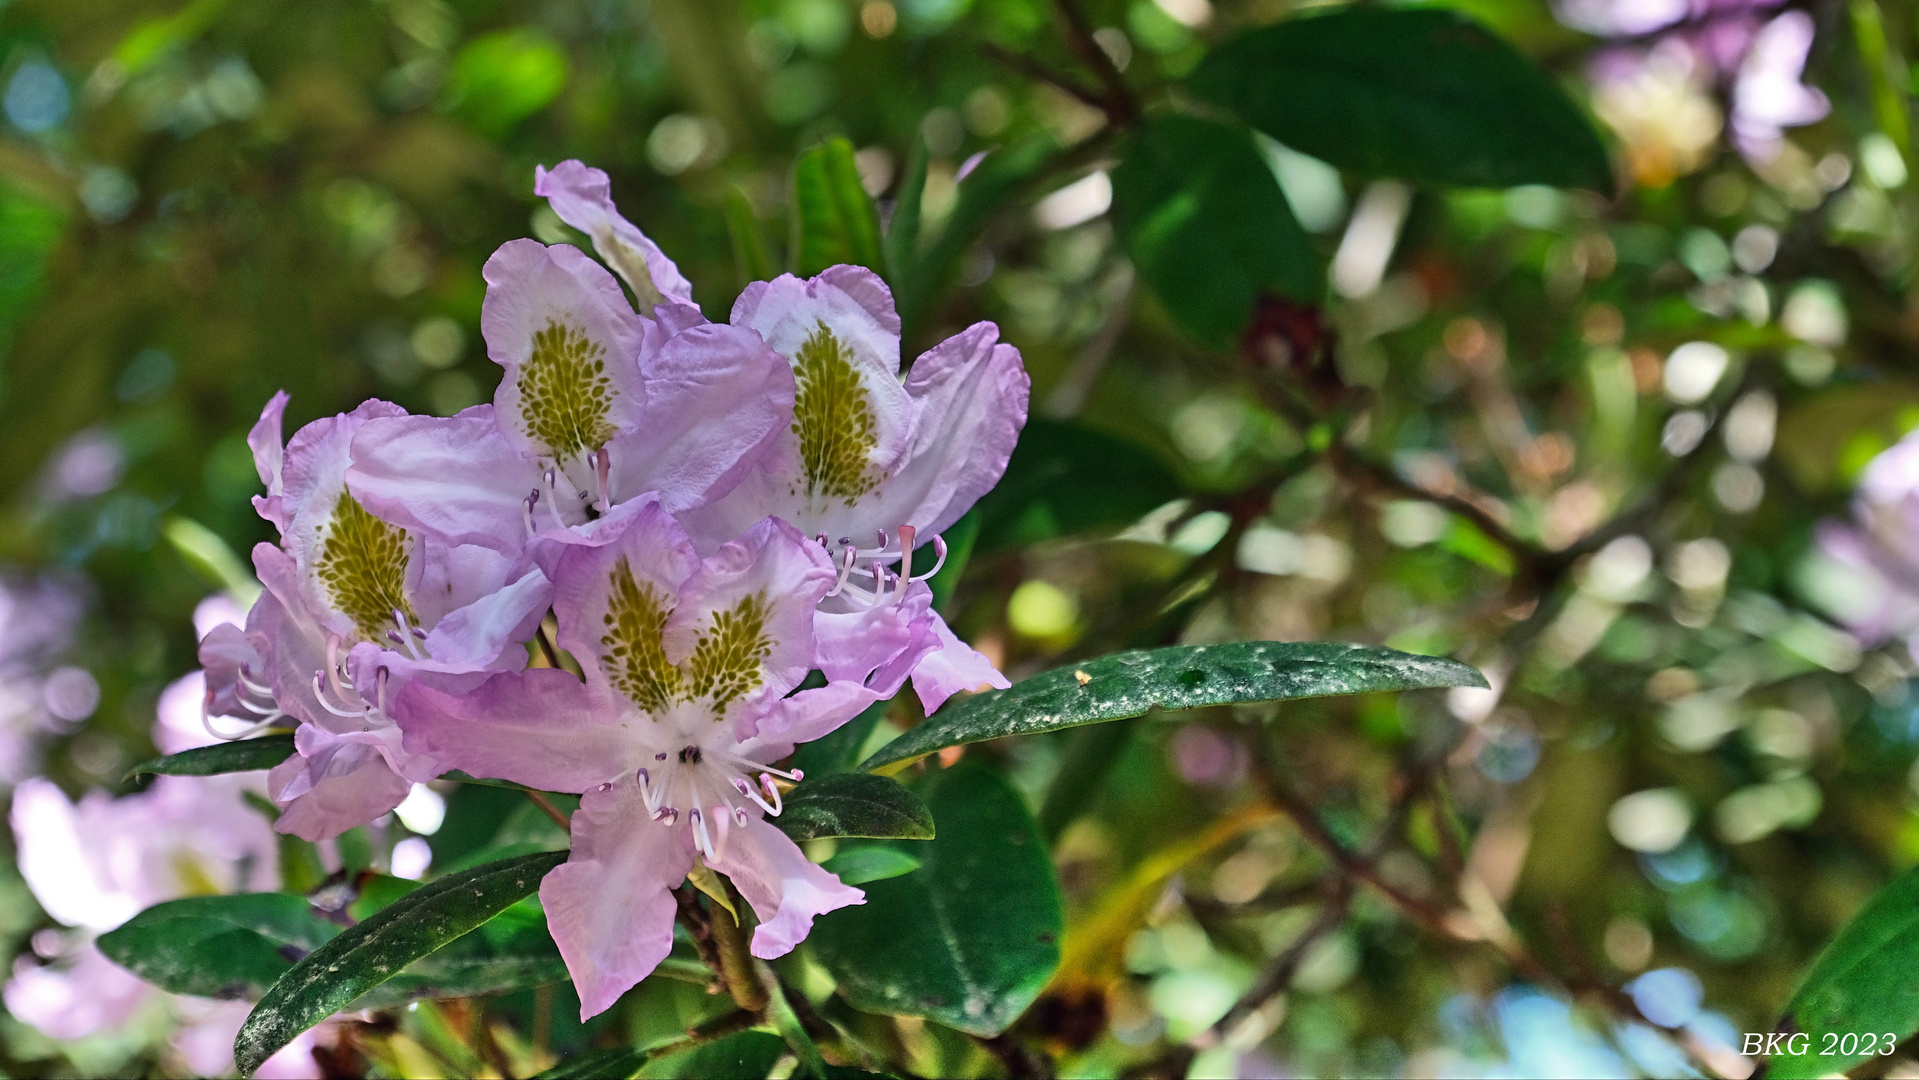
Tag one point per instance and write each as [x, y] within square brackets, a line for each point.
[670, 739]
[353, 608]
[872, 466]
[598, 405]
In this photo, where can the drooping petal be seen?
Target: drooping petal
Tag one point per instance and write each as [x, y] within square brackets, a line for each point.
[787, 892]
[610, 907]
[457, 477]
[972, 395]
[805, 716]
[953, 667]
[743, 629]
[225, 653]
[875, 646]
[353, 787]
[570, 344]
[716, 398]
[582, 196]
[288, 635]
[269, 448]
[542, 728]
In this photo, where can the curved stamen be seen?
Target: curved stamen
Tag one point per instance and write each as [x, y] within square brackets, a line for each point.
[746, 789]
[256, 688]
[333, 668]
[848, 556]
[723, 829]
[526, 511]
[379, 688]
[701, 838]
[206, 721]
[602, 469]
[319, 695]
[666, 814]
[647, 794]
[552, 499]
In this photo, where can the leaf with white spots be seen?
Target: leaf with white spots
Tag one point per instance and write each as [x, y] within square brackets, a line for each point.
[1180, 677]
[363, 957]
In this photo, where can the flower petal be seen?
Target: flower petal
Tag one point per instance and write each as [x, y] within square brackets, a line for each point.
[269, 449]
[570, 344]
[972, 392]
[613, 597]
[456, 477]
[353, 786]
[786, 890]
[541, 727]
[716, 398]
[610, 905]
[474, 636]
[955, 666]
[582, 196]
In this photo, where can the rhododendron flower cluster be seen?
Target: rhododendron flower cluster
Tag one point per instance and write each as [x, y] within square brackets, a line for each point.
[708, 512]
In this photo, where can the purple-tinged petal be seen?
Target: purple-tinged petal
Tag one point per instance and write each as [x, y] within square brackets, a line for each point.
[570, 344]
[541, 727]
[225, 652]
[93, 995]
[268, 447]
[787, 892]
[610, 905]
[760, 588]
[353, 787]
[954, 667]
[582, 196]
[611, 598]
[457, 478]
[877, 646]
[716, 399]
[318, 505]
[289, 637]
[805, 716]
[476, 635]
[972, 392]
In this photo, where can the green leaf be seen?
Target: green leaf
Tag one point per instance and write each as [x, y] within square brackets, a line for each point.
[616, 1064]
[1207, 225]
[870, 862]
[1180, 677]
[369, 954]
[851, 804]
[1068, 479]
[1423, 94]
[743, 1055]
[994, 181]
[1862, 984]
[749, 240]
[500, 79]
[834, 220]
[971, 937]
[218, 946]
[839, 750]
[903, 231]
[227, 757]
[511, 951]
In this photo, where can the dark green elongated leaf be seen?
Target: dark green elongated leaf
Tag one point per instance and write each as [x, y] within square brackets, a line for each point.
[1423, 94]
[1862, 984]
[243, 755]
[834, 220]
[1180, 677]
[991, 184]
[1068, 479]
[839, 750]
[618, 1064]
[750, 249]
[903, 231]
[971, 937]
[369, 954]
[850, 804]
[1207, 225]
[870, 862]
[218, 946]
[743, 1055]
[511, 951]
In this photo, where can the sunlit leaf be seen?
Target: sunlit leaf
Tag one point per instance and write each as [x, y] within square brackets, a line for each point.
[870, 862]
[971, 937]
[1861, 985]
[834, 220]
[500, 79]
[1181, 677]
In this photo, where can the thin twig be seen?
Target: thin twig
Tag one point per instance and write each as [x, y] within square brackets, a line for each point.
[549, 809]
[1038, 72]
[1121, 110]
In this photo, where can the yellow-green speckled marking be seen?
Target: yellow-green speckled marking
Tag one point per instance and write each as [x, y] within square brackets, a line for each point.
[727, 659]
[565, 392]
[362, 563]
[834, 419]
